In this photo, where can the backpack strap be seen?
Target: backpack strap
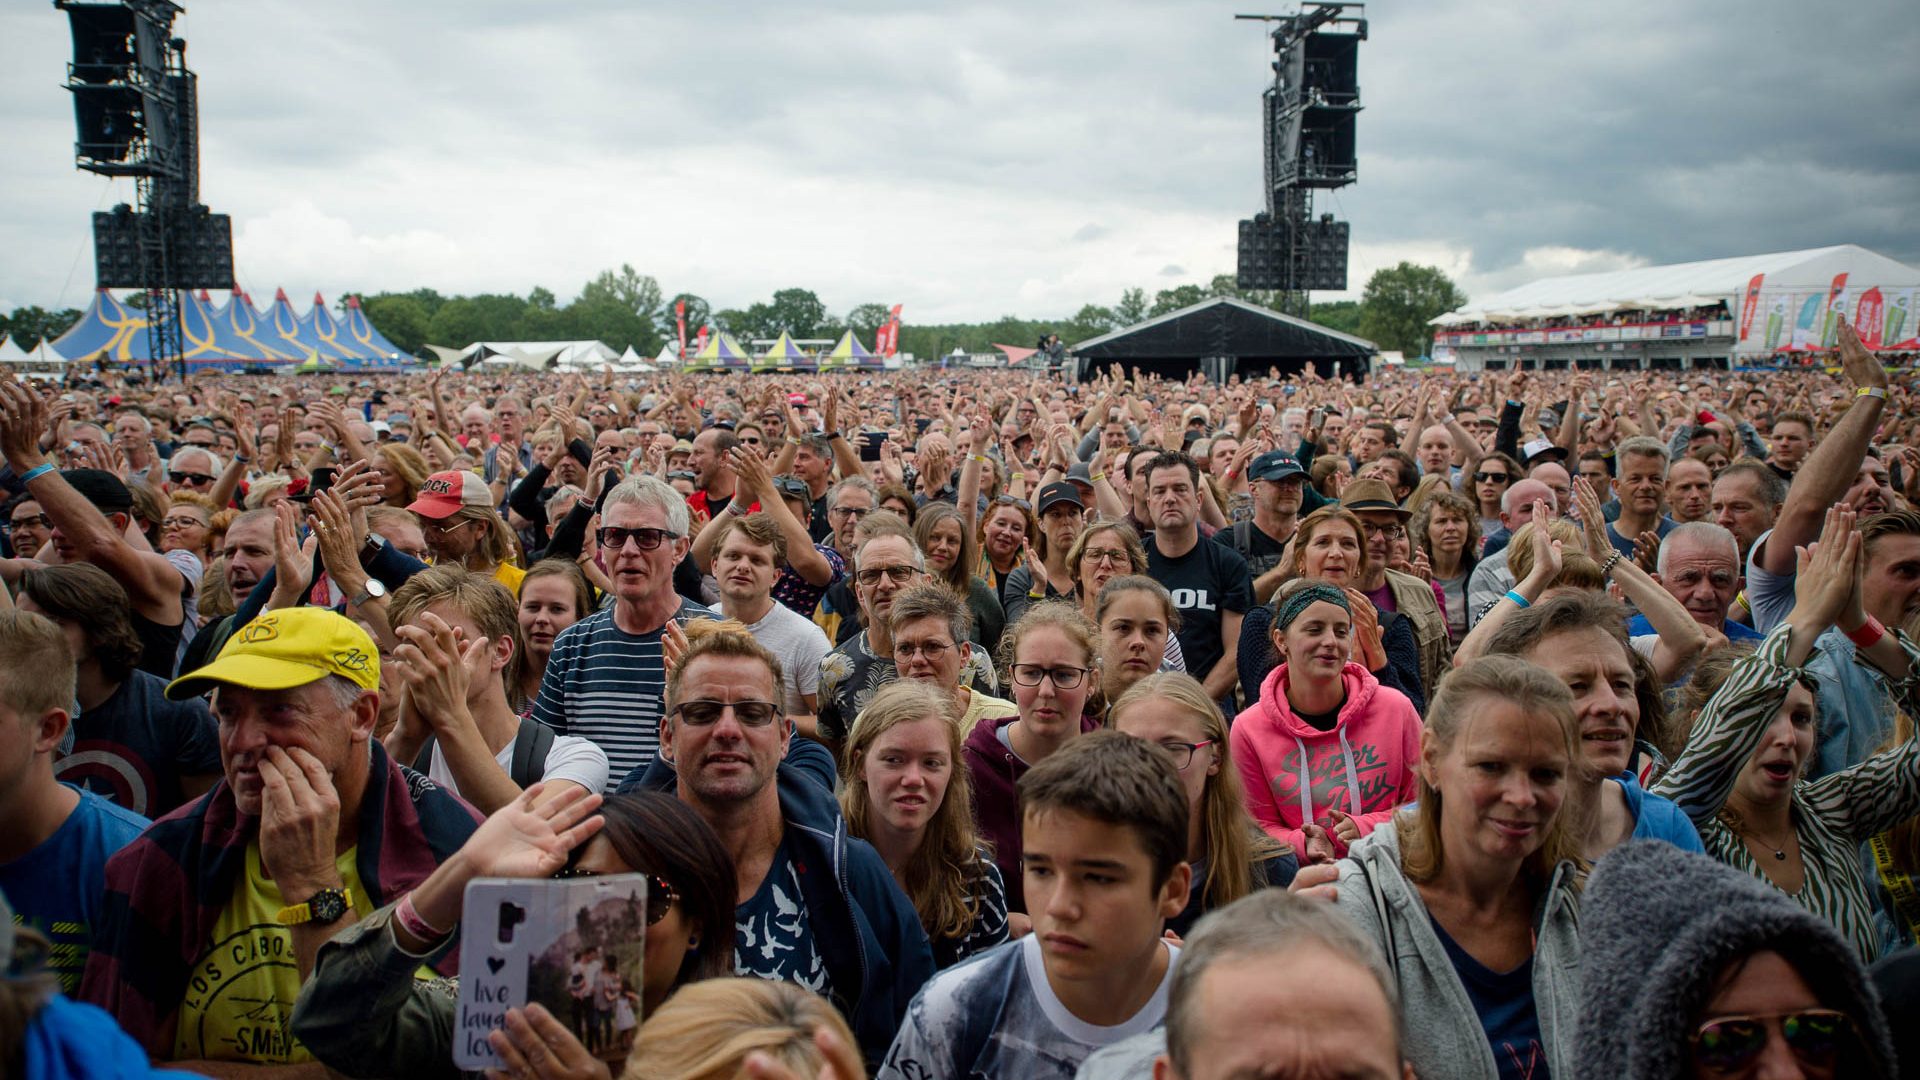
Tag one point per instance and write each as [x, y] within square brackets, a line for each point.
[530, 749]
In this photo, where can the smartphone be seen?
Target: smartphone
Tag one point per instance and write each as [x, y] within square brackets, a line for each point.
[575, 945]
[870, 443]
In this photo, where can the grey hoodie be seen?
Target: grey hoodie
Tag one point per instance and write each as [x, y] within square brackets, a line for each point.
[1661, 926]
[1444, 1039]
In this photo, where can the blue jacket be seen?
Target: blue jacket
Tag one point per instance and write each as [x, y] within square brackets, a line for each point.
[877, 954]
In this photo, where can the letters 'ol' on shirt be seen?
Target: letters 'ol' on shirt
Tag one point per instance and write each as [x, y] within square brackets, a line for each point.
[1209, 580]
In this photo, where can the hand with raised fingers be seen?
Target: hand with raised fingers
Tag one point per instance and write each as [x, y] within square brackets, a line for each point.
[1826, 577]
[1862, 368]
[434, 655]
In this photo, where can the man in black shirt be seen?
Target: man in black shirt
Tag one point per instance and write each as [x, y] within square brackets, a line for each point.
[1209, 582]
[1279, 484]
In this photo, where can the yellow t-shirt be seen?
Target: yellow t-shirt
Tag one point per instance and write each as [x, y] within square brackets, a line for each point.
[509, 575]
[239, 999]
[979, 705]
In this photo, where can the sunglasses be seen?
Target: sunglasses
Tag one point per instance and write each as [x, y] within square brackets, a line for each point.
[189, 478]
[1491, 477]
[614, 537]
[1730, 1043]
[1008, 500]
[660, 894]
[899, 575]
[704, 713]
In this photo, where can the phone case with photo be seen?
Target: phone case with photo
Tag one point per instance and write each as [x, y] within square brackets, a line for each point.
[575, 945]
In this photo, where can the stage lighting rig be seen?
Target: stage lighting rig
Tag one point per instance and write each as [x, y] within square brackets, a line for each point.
[136, 113]
[1308, 117]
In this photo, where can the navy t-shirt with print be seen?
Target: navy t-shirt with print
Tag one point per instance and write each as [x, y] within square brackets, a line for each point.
[134, 747]
[773, 935]
[1504, 1003]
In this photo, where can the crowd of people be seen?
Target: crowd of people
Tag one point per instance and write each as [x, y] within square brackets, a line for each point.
[971, 723]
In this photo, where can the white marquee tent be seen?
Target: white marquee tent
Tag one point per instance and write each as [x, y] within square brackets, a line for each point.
[1775, 298]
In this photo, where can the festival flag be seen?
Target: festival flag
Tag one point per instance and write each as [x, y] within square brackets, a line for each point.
[887, 341]
[680, 321]
[1751, 305]
[1836, 302]
[1867, 318]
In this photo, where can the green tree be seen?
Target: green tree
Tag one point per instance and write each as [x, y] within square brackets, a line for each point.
[1341, 315]
[796, 311]
[639, 292]
[699, 314]
[864, 319]
[401, 318]
[459, 323]
[1090, 321]
[29, 326]
[542, 298]
[1132, 307]
[1399, 300]
[1167, 300]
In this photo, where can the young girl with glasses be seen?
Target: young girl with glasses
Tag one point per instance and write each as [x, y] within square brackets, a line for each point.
[1230, 854]
[1053, 658]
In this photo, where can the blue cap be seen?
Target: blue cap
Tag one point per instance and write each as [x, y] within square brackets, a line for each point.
[1275, 465]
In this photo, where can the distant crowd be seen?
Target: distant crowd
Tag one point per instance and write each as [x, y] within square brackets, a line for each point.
[969, 723]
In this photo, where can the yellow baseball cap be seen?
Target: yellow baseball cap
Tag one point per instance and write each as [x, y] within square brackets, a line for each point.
[287, 648]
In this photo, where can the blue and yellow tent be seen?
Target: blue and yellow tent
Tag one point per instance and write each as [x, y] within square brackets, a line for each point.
[720, 352]
[849, 355]
[783, 355]
[371, 343]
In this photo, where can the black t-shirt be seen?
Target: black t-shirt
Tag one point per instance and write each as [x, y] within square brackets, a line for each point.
[1261, 551]
[819, 527]
[1209, 580]
[133, 747]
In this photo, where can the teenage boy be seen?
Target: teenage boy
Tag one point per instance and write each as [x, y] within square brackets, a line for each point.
[1104, 826]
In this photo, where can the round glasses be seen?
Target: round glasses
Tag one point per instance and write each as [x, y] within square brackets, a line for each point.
[1064, 678]
[932, 650]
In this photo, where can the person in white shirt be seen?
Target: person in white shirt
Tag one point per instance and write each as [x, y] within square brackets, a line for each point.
[457, 664]
[748, 554]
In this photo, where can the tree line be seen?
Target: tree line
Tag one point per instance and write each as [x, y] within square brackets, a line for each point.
[625, 308]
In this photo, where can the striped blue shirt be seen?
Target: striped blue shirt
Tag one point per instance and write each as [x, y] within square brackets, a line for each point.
[610, 687]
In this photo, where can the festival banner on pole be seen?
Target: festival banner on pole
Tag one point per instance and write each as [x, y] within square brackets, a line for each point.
[1750, 305]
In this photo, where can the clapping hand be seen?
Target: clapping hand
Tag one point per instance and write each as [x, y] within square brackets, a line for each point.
[431, 666]
[1826, 575]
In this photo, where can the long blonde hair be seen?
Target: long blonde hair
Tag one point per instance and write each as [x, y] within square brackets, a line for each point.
[1465, 691]
[941, 876]
[706, 1030]
[1234, 842]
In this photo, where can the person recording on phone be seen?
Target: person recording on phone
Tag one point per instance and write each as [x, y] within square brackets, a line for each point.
[369, 969]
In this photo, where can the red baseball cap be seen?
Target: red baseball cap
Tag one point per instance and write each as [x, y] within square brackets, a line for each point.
[445, 493]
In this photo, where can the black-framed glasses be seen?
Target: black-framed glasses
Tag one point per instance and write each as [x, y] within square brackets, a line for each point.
[187, 522]
[189, 478]
[854, 512]
[1729, 1043]
[1491, 477]
[660, 892]
[1182, 752]
[1115, 556]
[41, 520]
[932, 650]
[1391, 532]
[899, 575]
[1064, 678]
[615, 537]
[702, 712]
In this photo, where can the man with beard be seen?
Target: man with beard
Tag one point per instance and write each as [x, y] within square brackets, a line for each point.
[746, 562]
[606, 674]
[713, 482]
[1209, 583]
[1279, 486]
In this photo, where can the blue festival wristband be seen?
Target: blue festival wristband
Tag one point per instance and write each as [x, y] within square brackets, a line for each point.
[1518, 599]
[37, 472]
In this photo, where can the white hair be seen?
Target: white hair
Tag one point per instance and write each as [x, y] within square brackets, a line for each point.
[652, 491]
[1704, 533]
[214, 464]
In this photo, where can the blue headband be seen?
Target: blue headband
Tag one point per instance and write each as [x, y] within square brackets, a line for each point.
[1298, 602]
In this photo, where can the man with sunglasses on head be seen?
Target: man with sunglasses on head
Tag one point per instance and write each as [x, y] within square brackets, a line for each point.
[814, 906]
[605, 677]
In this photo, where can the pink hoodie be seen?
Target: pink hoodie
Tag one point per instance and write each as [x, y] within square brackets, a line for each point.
[1364, 766]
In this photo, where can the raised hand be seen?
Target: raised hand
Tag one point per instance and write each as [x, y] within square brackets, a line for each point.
[432, 667]
[1826, 577]
[23, 416]
[1861, 367]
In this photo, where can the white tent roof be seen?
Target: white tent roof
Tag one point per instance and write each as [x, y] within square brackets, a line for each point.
[569, 353]
[44, 353]
[9, 352]
[669, 355]
[1694, 284]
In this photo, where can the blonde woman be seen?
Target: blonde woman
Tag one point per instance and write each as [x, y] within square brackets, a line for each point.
[904, 791]
[725, 1028]
[1478, 884]
[1230, 854]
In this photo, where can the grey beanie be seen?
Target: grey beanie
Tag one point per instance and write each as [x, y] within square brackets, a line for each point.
[1659, 925]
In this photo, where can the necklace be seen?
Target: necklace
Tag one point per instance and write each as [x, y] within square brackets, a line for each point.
[1779, 850]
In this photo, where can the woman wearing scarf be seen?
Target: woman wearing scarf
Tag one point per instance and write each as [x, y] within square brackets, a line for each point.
[1327, 752]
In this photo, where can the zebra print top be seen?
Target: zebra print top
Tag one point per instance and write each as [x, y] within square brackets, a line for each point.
[1832, 816]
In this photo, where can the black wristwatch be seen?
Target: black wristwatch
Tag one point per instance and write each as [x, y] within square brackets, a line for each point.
[322, 908]
[371, 549]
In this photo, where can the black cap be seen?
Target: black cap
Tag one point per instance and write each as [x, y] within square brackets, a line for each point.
[101, 488]
[1275, 465]
[1060, 491]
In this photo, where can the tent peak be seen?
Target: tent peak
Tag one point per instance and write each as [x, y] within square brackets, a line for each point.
[279, 296]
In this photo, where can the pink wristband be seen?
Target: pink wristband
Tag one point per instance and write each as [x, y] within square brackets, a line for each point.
[1867, 634]
[413, 923]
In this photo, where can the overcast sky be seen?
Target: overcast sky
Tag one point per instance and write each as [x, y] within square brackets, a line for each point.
[979, 159]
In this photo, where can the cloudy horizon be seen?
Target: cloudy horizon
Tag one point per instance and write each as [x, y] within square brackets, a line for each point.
[972, 161]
